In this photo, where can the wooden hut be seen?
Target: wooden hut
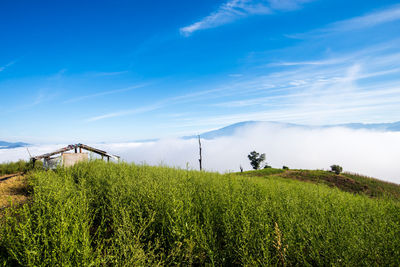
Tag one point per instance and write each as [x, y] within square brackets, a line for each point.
[63, 156]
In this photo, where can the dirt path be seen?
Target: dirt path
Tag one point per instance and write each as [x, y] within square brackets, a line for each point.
[9, 176]
[13, 189]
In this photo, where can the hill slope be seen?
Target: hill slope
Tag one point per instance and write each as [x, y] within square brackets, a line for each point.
[101, 213]
[391, 127]
[352, 183]
[234, 128]
[7, 145]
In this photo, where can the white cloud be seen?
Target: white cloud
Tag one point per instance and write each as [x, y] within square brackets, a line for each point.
[366, 152]
[236, 9]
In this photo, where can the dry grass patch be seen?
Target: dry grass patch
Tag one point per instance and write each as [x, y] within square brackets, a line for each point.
[13, 191]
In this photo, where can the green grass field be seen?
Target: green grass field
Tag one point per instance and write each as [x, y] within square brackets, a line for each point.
[100, 213]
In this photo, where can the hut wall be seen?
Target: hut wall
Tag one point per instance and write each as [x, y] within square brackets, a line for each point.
[69, 159]
[52, 163]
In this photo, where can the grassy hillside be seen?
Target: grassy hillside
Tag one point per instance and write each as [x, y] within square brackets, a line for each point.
[348, 182]
[100, 213]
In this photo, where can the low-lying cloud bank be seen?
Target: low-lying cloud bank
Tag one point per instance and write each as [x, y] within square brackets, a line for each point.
[371, 153]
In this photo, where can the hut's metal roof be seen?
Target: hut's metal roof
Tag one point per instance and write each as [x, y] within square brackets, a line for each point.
[75, 147]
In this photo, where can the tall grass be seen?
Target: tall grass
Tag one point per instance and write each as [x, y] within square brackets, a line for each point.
[18, 166]
[375, 187]
[13, 167]
[100, 213]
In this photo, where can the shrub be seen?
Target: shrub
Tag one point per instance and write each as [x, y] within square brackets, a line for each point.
[285, 167]
[336, 169]
[256, 159]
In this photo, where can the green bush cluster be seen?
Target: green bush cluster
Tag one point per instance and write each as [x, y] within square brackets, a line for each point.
[336, 169]
[100, 213]
[18, 166]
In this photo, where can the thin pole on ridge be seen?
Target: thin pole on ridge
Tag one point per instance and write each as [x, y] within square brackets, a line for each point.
[200, 159]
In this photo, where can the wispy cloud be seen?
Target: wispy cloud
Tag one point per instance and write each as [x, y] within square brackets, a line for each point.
[236, 9]
[111, 73]
[126, 112]
[300, 63]
[104, 93]
[339, 89]
[311, 93]
[58, 75]
[179, 99]
[339, 86]
[2, 68]
[43, 95]
[389, 14]
[235, 75]
[369, 20]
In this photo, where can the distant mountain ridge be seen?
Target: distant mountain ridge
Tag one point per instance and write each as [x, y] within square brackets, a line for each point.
[233, 128]
[389, 127]
[8, 145]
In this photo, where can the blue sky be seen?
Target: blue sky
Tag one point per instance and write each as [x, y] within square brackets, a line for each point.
[79, 71]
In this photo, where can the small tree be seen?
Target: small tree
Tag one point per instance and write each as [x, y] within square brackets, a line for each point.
[256, 159]
[337, 169]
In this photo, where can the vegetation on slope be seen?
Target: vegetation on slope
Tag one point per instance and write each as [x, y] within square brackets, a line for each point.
[122, 214]
[348, 182]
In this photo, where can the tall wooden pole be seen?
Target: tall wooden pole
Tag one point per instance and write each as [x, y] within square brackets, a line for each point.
[200, 159]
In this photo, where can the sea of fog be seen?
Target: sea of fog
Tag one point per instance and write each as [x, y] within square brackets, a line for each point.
[371, 153]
